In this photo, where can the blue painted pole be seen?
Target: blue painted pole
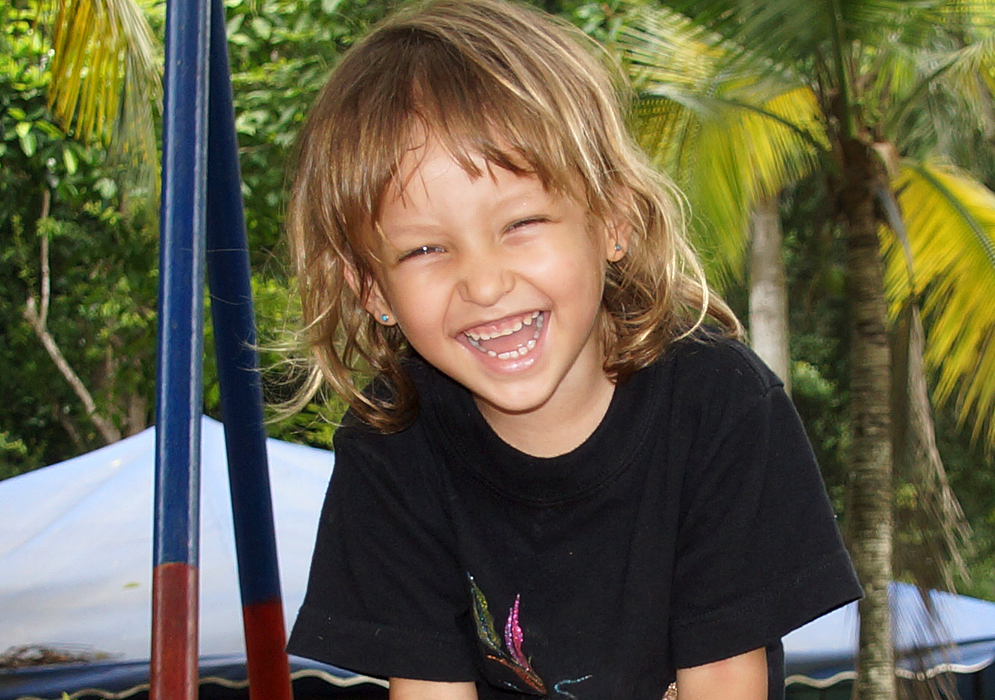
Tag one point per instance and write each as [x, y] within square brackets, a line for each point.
[173, 667]
[241, 391]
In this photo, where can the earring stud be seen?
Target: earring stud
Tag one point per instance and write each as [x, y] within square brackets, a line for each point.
[618, 247]
[384, 318]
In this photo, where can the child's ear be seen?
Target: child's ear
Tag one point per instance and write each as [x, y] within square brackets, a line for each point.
[618, 225]
[617, 235]
[373, 300]
[376, 304]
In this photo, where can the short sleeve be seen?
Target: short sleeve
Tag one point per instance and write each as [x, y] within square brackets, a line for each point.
[385, 596]
[759, 552]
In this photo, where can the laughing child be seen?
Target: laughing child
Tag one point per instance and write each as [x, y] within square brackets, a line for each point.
[567, 478]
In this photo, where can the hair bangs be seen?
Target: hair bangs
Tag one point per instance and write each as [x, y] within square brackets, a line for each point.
[473, 108]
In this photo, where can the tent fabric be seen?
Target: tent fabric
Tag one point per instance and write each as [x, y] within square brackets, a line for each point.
[76, 554]
[822, 652]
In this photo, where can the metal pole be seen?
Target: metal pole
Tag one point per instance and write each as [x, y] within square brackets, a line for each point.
[173, 668]
[241, 391]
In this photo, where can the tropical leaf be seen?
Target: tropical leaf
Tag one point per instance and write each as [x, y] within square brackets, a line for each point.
[106, 82]
[971, 71]
[950, 219]
[932, 533]
[727, 138]
[790, 32]
[965, 72]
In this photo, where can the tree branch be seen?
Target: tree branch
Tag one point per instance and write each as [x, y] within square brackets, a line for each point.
[46, 272]
[38, 319]
[107, 430]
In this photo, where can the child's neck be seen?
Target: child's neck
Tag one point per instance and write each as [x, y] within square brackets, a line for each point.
[560, 425]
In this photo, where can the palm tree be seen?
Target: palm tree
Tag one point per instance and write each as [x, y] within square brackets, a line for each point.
[741, 97]
[768, 310]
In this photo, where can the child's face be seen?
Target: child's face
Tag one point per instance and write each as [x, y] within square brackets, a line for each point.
[495, 281]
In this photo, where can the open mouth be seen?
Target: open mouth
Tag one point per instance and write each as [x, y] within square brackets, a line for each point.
[510, 339]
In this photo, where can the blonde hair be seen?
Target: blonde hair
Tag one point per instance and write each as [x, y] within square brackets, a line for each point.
[527, 92]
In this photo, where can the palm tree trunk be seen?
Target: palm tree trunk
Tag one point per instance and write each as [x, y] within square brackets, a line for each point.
[870, 498]
[769, 290]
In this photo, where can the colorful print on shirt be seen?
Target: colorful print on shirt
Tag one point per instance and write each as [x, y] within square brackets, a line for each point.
[500, 659]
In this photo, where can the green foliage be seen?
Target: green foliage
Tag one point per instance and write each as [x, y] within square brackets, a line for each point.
[601, 20]
[869, 83]
[101, 235]
[972, 476]
[281, 52]
[101, 261]
[886, 80]
[13, 456]
[819, 335]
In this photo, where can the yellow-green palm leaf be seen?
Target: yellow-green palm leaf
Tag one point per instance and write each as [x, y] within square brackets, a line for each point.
[950, 220]
[106, 75]
[727, 137]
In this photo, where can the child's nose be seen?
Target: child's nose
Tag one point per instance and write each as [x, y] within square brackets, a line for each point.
[485, 279]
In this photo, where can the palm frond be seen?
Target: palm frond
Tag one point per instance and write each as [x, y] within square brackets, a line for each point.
[747, 155]
[971, 72]
[106, 80]
[667, 130]
[893, 75]
[662, 47]
[960, 58]
[729, 138]
[796, 30]
[950, 219]
[727, 157]
[933, 534]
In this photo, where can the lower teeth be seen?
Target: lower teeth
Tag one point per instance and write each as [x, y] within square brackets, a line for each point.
[522, 351]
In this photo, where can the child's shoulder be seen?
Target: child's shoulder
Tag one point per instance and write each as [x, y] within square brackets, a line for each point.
[708, 357]
[425, 380]
[385, 459]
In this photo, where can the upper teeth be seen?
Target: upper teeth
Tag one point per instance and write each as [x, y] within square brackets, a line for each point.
[514, 328]
[522, 350]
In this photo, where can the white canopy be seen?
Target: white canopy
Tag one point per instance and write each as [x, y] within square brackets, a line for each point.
[76, 548]
[76, 545]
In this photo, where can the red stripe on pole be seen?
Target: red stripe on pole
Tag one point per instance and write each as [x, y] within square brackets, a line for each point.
[174, 632]
[265, 638]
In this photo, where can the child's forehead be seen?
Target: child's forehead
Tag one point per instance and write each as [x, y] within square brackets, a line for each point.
[433, 179]
[429, 156]
[429, 153]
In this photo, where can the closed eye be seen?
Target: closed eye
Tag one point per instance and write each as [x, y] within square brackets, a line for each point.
[421, 250]
[528, 222]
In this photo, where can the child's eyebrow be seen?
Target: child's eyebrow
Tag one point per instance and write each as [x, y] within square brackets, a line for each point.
[412, 229]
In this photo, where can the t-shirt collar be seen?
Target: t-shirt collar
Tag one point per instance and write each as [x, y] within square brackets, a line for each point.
[472, 444]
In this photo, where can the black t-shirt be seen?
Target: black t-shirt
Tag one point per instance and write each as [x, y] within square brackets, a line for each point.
[691, 526]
